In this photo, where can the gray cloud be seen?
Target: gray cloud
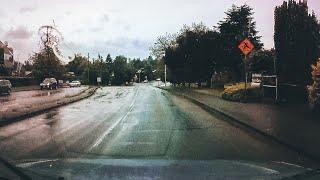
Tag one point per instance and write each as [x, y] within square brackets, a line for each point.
[96, 29]
[2, 14]
[27, 9]
[19, 33]
[121, 45]
[68, 13]
[139, 43]
[105, 18]
[127, 27]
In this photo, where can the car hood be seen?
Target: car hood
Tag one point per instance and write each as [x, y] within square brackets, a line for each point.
[158, 169]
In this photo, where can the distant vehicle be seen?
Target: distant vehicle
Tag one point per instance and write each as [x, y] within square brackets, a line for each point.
[49, 83]
[75, 84]
[158, 79]
[145, 81]
[5, 86]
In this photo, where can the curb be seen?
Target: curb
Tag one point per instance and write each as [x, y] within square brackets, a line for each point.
[17, 117]
[232, 120]
[20, 90]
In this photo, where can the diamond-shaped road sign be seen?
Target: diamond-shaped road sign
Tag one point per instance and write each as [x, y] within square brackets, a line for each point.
[246, 46]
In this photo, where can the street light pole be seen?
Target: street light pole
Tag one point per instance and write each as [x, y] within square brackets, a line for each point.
[165, 75]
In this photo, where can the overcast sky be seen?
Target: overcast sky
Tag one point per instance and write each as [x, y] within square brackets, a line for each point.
[127, 27]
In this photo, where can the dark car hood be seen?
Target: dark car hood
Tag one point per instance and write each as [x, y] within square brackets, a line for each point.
[158, 169]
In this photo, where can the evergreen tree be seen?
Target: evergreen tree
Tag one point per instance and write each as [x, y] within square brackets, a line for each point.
[296, 39]
[237, 26]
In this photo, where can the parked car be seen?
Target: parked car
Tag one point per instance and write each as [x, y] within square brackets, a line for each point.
[145, 81]
[49, 83]
[5, 86]
[75, 84]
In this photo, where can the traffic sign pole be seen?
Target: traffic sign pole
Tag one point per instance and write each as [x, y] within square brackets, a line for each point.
[246, 76]
[246, 47]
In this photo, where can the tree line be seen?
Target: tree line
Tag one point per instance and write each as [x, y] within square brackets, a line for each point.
[197, 52]
[115, 71]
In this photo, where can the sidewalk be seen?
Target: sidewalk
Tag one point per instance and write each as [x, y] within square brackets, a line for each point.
[292, 125]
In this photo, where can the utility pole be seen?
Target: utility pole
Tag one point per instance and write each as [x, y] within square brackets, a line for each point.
[139, 75]
[88, 68]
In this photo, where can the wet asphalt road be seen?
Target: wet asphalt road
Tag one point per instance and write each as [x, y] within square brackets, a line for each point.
[140, 121]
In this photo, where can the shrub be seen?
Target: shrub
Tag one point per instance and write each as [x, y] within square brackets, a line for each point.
[236, 92]
[314, 89]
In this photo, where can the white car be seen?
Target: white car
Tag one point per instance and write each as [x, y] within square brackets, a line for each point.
[145, 81]
[75, 84]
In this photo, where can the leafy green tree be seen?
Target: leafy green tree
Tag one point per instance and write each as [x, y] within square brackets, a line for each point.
[162, 44]
[46, 64]
[27, 66]
[110, 68]
[159, 66]
[262, 61]
[297, 42]
[122, 71]
[195, 55]
[78, 65]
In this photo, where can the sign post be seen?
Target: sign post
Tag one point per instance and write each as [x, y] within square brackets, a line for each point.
[246, 47]
[99, 80]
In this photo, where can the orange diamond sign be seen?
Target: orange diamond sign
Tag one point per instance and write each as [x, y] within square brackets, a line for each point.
[246, 46]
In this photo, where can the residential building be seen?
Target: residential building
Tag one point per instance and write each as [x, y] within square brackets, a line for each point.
[6, 58]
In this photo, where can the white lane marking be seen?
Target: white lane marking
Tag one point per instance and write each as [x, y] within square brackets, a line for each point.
[25, 165]
[99, 140]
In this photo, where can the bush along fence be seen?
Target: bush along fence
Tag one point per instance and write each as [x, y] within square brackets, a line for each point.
[314, 89]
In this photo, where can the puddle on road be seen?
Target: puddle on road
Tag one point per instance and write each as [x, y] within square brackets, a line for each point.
[51, 114]
[4, 100]
[101, 95]
[75, 107]
[119, 94]
[46, 93]
[52, 117]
